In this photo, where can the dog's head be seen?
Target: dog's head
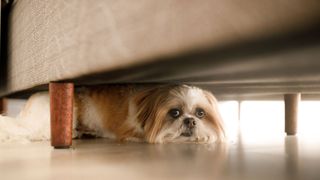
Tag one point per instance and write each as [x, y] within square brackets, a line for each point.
[179, 113]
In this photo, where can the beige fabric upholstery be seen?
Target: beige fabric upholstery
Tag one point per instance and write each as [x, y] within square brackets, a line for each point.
[53, 40]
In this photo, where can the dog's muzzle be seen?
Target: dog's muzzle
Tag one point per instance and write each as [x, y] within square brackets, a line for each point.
[190, 124]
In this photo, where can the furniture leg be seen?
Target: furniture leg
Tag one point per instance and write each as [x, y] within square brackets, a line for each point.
[3, 106]
[291, 112]
[61, 112]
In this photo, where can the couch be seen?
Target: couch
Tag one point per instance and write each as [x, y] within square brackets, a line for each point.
[237, 49]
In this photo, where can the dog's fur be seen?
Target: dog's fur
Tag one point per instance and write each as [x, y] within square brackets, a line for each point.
[154, 114]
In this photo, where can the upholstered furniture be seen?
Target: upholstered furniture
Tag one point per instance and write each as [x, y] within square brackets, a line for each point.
[238, 49]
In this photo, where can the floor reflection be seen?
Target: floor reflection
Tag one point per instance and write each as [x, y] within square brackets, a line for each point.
[266, 161]
[233, 161]
[291, 157]
[191, 160]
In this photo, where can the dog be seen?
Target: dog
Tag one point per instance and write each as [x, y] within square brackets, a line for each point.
[152, 114]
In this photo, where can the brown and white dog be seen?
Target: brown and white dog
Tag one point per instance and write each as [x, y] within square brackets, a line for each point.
[154, 114]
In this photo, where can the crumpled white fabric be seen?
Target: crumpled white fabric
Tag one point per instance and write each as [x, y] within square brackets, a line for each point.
[32, 124]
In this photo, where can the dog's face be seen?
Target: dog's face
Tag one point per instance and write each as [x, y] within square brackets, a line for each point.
[179, 114]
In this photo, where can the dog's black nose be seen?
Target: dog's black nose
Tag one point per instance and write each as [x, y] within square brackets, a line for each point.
[190, 122]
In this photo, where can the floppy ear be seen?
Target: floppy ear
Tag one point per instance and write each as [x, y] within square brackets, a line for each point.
[216, 117]
[149, 115]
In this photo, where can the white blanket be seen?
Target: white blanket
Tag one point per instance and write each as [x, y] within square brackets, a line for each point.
[32, 124]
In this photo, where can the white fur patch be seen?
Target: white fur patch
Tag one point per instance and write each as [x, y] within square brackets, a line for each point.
[194, 97]
[92, 118]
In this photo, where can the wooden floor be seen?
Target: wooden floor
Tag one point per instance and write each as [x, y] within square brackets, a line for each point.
[272, 158]
[289, 158]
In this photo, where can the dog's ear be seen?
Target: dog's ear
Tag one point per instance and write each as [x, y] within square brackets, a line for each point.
[150, 115]
[142, 100]
[216, 118]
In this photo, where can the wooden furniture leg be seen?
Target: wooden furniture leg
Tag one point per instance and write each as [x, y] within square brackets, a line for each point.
[291, 112]
[3, 106]
[61, 112]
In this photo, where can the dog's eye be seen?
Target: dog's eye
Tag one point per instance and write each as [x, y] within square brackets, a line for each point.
[175, 113]
[200, 113]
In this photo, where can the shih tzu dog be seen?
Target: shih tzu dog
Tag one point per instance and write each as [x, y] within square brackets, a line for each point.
[157, 114]
[153, 114]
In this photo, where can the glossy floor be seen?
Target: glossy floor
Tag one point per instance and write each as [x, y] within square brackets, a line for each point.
[289, 158]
